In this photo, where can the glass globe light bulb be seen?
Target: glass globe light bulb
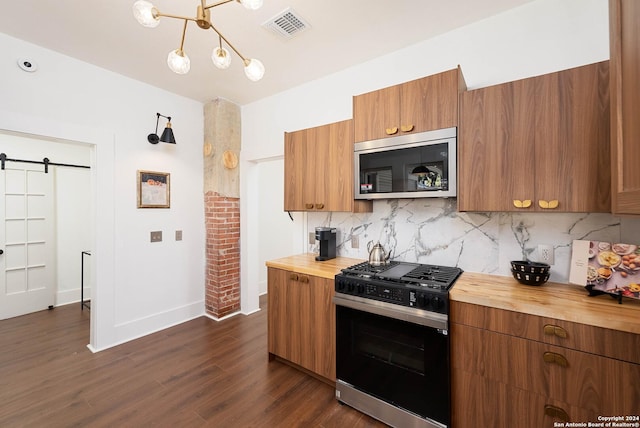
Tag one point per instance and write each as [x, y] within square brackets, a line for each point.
[221, 57]
[252, 4]
[254, 69]
[178, 62]
[144, 12]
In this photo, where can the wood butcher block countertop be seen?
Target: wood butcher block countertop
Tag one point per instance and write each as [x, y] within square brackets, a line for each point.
[307, 264]
[566, 302]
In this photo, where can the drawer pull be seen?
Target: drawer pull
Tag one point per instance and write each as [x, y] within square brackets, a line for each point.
[304, 279]
[522, 204]
[554, 330]
[319, 206]
[553, 358]
[293, 276]
[406, 128]
[391, 131]
[556, 412]
[548, 205]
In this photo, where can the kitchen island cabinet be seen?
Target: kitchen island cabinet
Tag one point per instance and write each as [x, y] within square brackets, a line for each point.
[624, 38]
[420, 105]
[537, 144]
[318, 169]
[539, 355]
[301, 321]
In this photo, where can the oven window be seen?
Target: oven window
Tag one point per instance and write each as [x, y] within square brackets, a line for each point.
[402, 363]
[393, 348]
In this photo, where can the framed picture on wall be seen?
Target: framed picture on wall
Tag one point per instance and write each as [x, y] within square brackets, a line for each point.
[154, 189]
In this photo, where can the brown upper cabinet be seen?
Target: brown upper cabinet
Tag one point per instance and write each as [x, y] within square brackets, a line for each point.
[419, 105]
[624, 39]
[318, 169]
[537, 144]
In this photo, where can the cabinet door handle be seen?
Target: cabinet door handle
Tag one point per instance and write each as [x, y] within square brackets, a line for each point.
[556, 412]
[552, 357]
[304, 279]
[522, 204]
[548, 205]
[293, 276]
[319, 206]
[391, 131]
[554, 330]
[406, 128]
[308, 206]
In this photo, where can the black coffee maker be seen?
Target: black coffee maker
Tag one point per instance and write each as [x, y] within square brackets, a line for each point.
[326, 236]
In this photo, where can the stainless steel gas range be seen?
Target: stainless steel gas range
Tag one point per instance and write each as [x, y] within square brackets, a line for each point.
[392, 342]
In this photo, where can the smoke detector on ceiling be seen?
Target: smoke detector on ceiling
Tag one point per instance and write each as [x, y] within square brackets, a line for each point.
[287, 23]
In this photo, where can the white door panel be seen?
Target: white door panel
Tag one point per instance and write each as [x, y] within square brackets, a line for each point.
[26, 236]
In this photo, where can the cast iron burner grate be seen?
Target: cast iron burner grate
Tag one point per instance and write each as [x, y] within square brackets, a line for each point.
[431, 276]
[443, 275]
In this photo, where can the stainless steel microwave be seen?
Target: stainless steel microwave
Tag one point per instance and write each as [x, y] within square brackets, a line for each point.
[417, 165]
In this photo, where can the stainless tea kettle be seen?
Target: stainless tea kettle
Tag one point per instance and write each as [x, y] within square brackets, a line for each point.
[377, 255]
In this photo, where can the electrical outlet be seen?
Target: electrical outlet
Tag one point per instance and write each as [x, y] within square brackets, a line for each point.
[355, 241]
[156, 236]
[312, 238]
[545, 254]
[178, 235]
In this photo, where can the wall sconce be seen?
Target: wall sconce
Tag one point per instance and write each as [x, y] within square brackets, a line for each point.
[167, 134]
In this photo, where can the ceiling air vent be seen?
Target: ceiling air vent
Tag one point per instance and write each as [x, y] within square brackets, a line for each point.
[287, 23]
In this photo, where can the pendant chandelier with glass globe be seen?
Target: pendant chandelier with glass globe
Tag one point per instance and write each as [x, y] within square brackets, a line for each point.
[149, 16]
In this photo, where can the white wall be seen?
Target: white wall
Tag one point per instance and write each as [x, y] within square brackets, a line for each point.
[536, 38]
[73, 233]
[277, 231]
[139, 287]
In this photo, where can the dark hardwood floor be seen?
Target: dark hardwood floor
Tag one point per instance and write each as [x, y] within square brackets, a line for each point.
[199, 373]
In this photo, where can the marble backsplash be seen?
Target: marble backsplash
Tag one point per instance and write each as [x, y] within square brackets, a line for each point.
[431, 231]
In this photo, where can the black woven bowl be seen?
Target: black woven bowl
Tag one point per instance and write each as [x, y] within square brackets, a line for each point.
[526, 266]
[530, 278]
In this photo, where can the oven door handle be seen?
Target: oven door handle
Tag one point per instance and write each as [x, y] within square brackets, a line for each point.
[402, 313]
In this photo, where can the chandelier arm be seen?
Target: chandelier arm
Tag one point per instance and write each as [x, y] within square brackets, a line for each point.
[220, 3]
[244, 60]
[184, 32]
[168, 15]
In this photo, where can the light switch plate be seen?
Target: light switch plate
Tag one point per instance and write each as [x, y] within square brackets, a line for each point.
[178, 235]
[156, 236]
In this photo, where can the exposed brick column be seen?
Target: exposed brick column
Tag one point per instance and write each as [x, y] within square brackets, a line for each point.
[222, 207]
[222, 219]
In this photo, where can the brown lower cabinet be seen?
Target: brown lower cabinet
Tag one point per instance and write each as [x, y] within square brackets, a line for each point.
[301, 322]
[510, 368]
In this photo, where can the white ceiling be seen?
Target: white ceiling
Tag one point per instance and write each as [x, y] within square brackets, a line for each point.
[343, 33]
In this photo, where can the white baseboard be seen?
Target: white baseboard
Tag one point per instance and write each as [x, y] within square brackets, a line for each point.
[67, 297]
[138, 328]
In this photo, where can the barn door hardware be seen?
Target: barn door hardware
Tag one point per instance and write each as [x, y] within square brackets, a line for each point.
[46, 162]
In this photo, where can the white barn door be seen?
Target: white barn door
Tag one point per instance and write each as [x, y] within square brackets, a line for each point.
[27, 265]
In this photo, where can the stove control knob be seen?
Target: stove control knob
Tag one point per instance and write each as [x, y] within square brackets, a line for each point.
[341, 284]
[350, 286]
[360, 288]
[437, 303]
[423, 301]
